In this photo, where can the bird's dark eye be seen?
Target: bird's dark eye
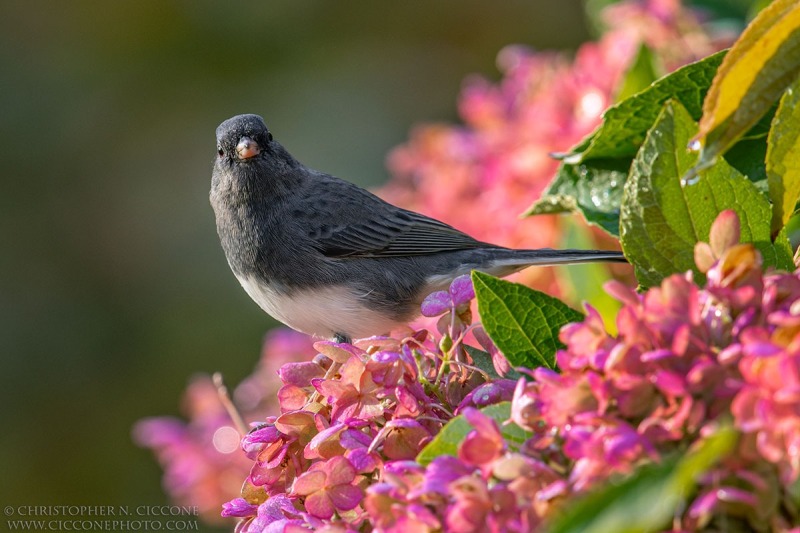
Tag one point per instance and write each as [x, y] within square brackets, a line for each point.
[220, 151]
[270, 136]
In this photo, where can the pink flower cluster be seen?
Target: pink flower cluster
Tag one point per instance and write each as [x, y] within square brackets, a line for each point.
[498, 162]
[686, 360]
[351, 416]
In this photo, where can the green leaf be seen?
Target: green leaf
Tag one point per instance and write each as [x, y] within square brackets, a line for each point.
[594, 188]
[648, 499]
[758, 68]
[446, 442]
[553, 204]
[640, 75]
[784, 251]
[783, 158]
[625, 124]
[522, 322]
[661, 221]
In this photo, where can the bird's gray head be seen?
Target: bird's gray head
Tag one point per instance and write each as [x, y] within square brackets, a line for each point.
[247, 156]
[242, 138]
[249, 162]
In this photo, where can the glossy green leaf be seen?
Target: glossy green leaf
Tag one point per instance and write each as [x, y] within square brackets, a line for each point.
[661, 221]
[446, 442]
[594, 188]
[783, 158]
[522, 322]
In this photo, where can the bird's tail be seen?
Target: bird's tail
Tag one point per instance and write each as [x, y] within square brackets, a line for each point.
[508, 261]
[504, 261]
[547, 256]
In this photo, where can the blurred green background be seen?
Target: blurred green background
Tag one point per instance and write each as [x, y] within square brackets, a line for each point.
[113, 287]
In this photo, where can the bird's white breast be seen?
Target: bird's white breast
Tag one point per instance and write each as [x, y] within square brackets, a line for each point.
[322, 311]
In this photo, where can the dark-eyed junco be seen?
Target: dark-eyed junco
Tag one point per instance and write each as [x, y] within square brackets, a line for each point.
[331, 259]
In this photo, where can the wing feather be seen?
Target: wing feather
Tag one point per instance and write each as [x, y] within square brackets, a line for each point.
[403, 234]
[366, 226]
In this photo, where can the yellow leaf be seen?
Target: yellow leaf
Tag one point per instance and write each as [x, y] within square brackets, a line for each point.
[761, 64]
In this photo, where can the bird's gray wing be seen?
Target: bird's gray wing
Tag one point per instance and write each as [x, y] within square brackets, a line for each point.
[351, 222]
[397, 234]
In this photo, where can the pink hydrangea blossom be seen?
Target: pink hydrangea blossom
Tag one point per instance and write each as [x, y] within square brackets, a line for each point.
[328, 487]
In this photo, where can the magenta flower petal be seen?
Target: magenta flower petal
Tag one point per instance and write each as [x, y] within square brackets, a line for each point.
[670, 383]
[326, 443]
[485, 443]
[553, 490]
[277, 507]
[238, 507]
[622, 292]
[300, 374]
[439, 474]
[363, 461]
[345, 497]
[352, 439]
[736, 495]
[730, 354]
[320, 505]
[436, 304]
[703, 505]
[340, 471]
[402, 468]
[761, 349]
[262, 475]
[292, 398]
[479, 450]
[499, 390]
[461, 290]
[309, 482]
[657, 355]
[725, 232]
[264, 434]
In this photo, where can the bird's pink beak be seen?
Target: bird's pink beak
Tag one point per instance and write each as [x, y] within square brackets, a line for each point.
[247, 148]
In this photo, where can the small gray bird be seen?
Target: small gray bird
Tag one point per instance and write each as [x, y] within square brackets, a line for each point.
[330, 259]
